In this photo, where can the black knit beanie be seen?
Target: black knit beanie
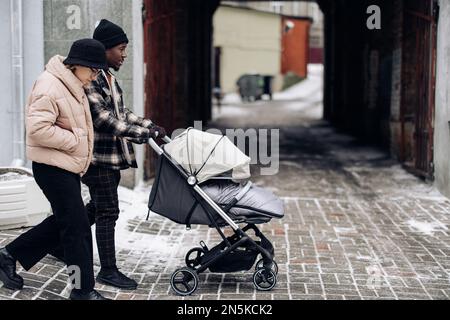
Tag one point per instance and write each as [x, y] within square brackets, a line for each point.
[110, 34]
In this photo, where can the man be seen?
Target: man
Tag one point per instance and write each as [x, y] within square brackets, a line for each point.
[115, 128]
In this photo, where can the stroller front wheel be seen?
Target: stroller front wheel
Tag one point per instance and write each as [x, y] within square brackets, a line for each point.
[194, 257]
[184, 281]
[264, 280]
[260, 265]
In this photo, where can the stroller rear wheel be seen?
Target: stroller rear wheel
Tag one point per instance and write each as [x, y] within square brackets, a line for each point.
[264, 280]
[260, 265]
[194, 257]
[184, 281]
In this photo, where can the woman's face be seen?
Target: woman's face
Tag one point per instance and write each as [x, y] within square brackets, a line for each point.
[85, 74]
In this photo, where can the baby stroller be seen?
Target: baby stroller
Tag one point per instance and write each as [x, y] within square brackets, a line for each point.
[200, 179]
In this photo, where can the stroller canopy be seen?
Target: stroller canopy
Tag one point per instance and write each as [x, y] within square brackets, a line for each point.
[207, 155]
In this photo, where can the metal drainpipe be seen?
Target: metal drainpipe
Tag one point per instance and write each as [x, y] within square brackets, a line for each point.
[17, 107]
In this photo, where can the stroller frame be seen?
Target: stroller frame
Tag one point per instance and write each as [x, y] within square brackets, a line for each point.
[184, 281]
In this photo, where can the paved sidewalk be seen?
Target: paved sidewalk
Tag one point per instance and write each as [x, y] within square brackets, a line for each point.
[357, 226]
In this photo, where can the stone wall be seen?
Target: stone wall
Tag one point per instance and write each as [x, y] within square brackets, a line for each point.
[442, 114]
[69, 20]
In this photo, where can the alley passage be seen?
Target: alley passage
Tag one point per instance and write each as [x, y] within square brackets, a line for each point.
[357, 226]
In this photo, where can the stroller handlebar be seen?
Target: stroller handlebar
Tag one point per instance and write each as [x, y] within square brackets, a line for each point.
[166, 139]
[156, 147]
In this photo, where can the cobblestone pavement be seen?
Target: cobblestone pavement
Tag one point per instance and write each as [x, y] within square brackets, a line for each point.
[356, 226]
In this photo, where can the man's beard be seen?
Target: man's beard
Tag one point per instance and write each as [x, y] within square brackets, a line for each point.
[115, 68]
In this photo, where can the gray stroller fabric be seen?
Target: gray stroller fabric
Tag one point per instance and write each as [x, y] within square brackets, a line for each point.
[256, 202]
[173, 198]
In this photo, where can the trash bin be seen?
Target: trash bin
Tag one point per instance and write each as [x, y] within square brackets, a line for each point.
[268, 85]
[253, 86]
[250, 87]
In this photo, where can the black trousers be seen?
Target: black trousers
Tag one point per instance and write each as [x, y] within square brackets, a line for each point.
[103, 210]
[68, 226]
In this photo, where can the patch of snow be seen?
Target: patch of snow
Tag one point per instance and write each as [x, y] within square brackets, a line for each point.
[13, 176]
[229, 111]
[315, 68]
[416, 187]
[133, 206]
[291, 164]
[231, 98]
[344, 230]
[359, 154]
[425, 227]
[365, 258]
[310, 88]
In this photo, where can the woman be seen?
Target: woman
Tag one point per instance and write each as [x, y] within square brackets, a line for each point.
[59, 134]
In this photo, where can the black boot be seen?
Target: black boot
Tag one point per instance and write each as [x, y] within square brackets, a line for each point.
[93, 295]
[113, 277]
[8, 275]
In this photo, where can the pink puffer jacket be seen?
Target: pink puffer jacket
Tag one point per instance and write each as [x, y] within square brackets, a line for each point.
[59, 130]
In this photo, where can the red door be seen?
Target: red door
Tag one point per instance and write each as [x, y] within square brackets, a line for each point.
[295, 46]
[177, 56]
[160, 70]
[418, 89]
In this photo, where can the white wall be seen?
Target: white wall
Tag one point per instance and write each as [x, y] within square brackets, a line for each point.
[6, 129]
[33, 42]
[250, 41]
[138, 79]
[442, 108]
[27, 68]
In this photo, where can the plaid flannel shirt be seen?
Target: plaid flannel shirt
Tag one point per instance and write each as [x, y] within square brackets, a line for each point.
[113, 132]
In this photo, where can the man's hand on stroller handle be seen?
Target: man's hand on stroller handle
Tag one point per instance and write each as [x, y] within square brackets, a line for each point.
[160, 134]
[154, 133]
[159, 131]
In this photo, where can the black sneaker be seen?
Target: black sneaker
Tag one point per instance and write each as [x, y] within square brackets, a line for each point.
[8, 275]
[93, 295]
[115, 278]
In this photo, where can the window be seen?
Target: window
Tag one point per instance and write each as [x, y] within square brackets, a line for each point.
[277, 6]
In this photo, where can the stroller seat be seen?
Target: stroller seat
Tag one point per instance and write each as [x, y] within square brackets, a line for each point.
[243, 203]
[254, 204]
